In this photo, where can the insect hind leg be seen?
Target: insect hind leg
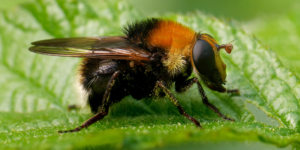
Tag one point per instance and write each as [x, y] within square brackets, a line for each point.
[97, 79]
[105, 106]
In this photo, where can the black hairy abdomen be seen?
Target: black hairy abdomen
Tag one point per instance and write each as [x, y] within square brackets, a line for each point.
[134, 81]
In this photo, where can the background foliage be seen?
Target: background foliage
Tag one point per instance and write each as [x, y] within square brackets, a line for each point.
[35, 90]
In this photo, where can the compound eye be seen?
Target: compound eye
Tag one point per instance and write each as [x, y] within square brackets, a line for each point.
[204, 57]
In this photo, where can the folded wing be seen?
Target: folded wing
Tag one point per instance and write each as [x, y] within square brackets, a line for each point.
[114, 47]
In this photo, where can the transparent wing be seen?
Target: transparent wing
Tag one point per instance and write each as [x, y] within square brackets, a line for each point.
[114, 47]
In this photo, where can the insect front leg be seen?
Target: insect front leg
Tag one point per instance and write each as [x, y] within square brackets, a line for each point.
[176, 103]
[181, 87]
[105, 106]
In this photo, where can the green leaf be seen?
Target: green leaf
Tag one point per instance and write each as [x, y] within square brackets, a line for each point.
[281, 32]
[35, 90]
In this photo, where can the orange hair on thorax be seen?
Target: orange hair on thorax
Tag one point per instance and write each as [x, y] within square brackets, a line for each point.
[173, 37]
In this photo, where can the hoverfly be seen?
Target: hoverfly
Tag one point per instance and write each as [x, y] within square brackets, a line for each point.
[146, 61]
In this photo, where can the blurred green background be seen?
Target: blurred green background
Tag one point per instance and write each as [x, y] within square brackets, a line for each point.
[238, 10]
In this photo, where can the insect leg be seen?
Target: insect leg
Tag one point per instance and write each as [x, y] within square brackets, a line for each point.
[105, 106]
[184, 86]
[177, 104]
